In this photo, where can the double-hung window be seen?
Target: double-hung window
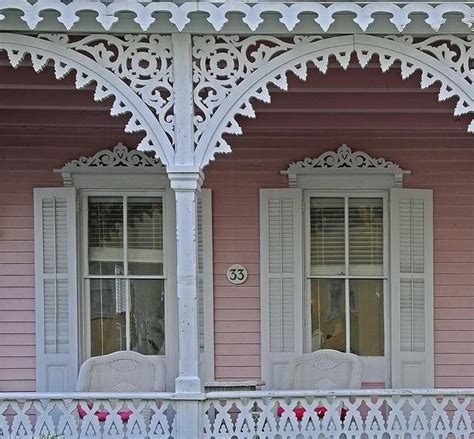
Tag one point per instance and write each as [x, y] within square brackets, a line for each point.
[347, 264]
[124, 273]
[346, 275]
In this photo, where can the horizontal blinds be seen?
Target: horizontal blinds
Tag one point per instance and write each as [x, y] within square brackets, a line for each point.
[327, 236]
[105, 223]
[145, 223]
[366, 236]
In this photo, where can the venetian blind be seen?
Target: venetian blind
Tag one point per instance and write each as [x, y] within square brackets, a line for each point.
[327, 236]
[366, 236]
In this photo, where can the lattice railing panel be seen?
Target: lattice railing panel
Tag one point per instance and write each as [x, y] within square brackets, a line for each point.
[87, 415]
[375, 413]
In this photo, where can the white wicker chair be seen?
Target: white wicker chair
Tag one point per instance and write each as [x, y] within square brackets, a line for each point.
[325, 369]
[123, 371]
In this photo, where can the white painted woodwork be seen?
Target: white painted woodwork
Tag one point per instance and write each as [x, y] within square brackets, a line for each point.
[370, 413]
[186, 187]
[245, 17]
[281, 281]
[228, 73]
[438, 413]
[55, 289]
[90, 67]
[183, 101]
[206, 286]
[248, 67]
[411, 217]
[345, 169]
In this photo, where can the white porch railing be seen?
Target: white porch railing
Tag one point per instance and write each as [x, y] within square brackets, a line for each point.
[340, 414]
[403, 414]
[87, 415]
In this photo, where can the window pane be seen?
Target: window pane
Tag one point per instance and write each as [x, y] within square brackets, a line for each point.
[327, 236]
[108, 316]
[145, 236]
[367, 335]
[105, 220]
[147, 316]
[328, 315]
[366, 236]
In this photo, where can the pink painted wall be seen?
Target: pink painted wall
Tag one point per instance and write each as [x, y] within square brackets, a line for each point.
[44, 123]
[386, 117]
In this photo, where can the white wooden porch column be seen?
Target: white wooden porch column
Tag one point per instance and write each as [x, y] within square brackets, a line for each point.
[186, 187]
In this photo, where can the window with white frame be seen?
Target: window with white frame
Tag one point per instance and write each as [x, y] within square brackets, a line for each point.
[346, 273]
[124, 273]
[347, 264]
[103, 277]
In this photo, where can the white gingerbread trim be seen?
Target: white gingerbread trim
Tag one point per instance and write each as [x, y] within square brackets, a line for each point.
[251, 14]
[444, 59]
[119, 160]
[344, 162]
[88, 71]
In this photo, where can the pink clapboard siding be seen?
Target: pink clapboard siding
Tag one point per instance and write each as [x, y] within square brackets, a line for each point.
[50, 123]
[386, 117]
[44, 123]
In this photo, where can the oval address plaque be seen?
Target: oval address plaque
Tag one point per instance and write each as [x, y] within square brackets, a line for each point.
[237, 274]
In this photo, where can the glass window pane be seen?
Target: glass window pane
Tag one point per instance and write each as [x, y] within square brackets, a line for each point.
[105, 234]
[145, 236]
[366, 236]
[147, 316]
[327, 236]
[108, 315]
[328, 315]
[367, 334]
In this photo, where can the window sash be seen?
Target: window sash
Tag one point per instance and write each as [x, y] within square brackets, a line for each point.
[346, 276]
[87, 277]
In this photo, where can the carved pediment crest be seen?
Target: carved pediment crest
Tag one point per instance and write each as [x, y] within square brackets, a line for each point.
[343, 158]
[119, 157]
[344, 161]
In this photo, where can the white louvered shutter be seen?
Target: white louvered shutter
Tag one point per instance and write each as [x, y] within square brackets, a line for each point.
[205, 291]
[55, 289]
[281, 277]
[411, 214]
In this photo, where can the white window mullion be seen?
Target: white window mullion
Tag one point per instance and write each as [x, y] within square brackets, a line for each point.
[127, 314]
[125, 237]
[346, 264]
[125, 271]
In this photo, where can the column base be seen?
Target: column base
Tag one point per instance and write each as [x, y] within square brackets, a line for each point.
[188, 384]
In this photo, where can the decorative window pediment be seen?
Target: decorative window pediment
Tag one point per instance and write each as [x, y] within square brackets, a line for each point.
[109, 164]
[345, 169]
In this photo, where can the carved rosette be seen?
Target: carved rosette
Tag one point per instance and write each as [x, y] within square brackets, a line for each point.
[143, 62]
[222, 63]
[231, 71]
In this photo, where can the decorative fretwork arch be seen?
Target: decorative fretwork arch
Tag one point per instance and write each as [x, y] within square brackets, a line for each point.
[230, 71]
[98, 66]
